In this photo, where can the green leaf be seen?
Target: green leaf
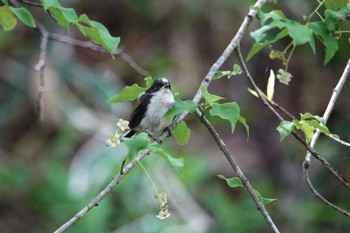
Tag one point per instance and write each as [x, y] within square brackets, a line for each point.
[307, 129]
[335, 4]
[285, 128]
[227, 111]
[236, 69]
[220, 74]
[181, 106]
[232, 182]
[136, 143]
[182, 133]
[64, 16]
[300, 34]
[24, 15]
[130, 93]
[176, 163]
[209, 98]
[49, 3]
[330, 42]
[235, 182]
[6, 2]
[244, 123]
[264, 200]
[98, 33]
[257, 47]
[7, 20]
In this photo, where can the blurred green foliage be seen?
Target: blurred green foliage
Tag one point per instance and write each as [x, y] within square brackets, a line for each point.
[50, 170]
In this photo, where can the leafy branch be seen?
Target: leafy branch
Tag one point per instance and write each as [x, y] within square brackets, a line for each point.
[198, 96]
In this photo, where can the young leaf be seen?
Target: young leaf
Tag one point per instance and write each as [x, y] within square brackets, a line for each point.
[176, 163]
[130, 93]
[209, 98]
[285, 128]
[307, 129]
[232, 182]
[264, 200]
[235, 182]
[49, 3]
[244, 123]
[182, 133]
[335, 4]
[300, 34]
[236, 69]
[259, 46]
[220, 74]
[181, 106]
[136, 143]
[64, 16]
[24, 15]
[226, 111]
[98, 33]
[271, 86]
[7, 20]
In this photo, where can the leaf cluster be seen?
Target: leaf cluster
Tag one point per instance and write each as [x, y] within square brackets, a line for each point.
[327, 30]
[65, 17]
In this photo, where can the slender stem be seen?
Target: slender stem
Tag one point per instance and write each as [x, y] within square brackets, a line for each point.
[149, 177]
[330, 106]
[315, 154]
[95, 202]
[238, 171]
[326, 115]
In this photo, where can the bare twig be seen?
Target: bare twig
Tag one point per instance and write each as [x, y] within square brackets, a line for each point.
[342, 142]
[238, 171]
[327, 113]
[329, 109]
[315, 154]
[40, 67]
[206, 81]
[99, 197]
[89, 45]
[318, 195]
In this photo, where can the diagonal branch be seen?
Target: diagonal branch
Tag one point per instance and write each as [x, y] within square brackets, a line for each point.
[260, 206]
[40, 67]
[206, 81]
[314, 153]
[327, 113]
[329, 109]
[89, 45]
[99, 197]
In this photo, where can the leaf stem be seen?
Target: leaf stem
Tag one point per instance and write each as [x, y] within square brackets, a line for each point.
[148, 176]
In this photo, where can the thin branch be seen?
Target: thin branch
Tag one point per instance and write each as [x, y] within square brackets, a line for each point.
[238, 171]
[318, 195]
[89, 45]
[330, 106]
[40, 67]
[327, 113]
[206, 81]
[342, 142]
[224, 56]
[315, 154]
[99, 197]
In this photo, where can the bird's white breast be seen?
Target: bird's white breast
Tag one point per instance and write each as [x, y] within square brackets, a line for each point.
[154, 120]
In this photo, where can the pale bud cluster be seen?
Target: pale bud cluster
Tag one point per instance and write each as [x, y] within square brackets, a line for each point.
[163, 204]
[115, 137]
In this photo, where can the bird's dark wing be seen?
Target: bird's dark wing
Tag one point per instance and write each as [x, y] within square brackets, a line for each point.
[140, 110]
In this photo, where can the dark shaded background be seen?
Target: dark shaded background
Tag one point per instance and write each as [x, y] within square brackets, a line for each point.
[49, 170]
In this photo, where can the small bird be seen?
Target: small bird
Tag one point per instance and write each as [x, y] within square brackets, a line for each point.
[148, 115]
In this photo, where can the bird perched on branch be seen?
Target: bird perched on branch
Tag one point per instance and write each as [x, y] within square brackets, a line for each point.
[148, 115]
